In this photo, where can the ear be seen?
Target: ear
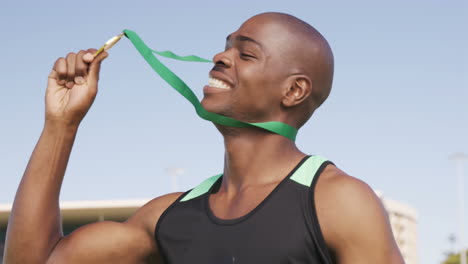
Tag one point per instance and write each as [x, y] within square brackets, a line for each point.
[299, 89]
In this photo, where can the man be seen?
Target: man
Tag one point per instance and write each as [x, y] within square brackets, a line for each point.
[272, 204]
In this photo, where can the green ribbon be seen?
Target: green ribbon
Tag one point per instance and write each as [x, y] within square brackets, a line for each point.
[173, 80]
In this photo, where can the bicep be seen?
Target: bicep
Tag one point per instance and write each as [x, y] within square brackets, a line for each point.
[111, 242]
[105, 242]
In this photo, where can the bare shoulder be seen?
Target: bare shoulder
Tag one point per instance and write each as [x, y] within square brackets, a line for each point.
[353, 220]
[111, 242]
[341, 200]
[148, 215]
[342, 190]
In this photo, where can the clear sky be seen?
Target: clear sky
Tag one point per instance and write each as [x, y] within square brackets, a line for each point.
[397, 111]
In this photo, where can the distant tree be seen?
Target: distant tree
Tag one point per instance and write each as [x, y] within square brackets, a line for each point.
[454, 258]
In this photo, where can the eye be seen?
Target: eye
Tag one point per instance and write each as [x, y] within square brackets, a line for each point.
[246, 56]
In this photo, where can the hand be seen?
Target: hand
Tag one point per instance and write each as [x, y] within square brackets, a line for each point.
[72, 86]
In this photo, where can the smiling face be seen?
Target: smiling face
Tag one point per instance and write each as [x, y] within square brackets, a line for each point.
[275, 67]
[245, 80]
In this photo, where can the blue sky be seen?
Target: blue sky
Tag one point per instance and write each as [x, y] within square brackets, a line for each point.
[397, 111]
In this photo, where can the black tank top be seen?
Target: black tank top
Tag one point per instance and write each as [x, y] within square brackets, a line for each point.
[283, 228]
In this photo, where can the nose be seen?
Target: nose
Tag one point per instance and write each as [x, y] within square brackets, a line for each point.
[222, 59]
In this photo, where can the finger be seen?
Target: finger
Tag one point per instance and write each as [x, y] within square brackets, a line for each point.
[95, 66]
[71, 60]
[59, 71]
[53, 75]
[89, 57]
[81, 68]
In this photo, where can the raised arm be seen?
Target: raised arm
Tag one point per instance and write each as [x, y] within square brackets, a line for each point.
[354, 222]
[34, 232]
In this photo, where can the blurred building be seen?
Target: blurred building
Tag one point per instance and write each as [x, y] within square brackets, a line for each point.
[403, 219]
[78, 213]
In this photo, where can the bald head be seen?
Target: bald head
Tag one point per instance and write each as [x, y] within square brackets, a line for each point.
[304, 51]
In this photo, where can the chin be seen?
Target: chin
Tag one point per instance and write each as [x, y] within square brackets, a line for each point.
[213, 106]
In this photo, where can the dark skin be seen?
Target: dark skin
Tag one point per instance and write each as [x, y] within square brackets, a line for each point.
[284, 74]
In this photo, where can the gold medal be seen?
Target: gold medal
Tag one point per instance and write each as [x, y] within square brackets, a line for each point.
[111, 42]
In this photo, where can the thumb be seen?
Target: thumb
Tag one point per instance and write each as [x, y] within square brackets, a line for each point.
[95, 66]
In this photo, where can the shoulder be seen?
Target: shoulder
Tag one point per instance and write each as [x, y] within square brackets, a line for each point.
[148, 215]
[342, 199]
[352, 218]
[342, 189]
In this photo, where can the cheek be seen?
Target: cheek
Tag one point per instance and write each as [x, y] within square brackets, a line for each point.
[258, 90]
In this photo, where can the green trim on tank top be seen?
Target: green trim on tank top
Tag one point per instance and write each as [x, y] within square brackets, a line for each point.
[306, 173]
[303, 175]
[202, 188]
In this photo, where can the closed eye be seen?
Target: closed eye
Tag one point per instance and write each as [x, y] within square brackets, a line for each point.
[246, 55]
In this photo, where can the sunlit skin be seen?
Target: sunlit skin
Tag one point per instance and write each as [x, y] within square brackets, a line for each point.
[253, 95]
[255, 63]
[276, 68]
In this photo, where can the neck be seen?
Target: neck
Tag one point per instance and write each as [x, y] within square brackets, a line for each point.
[255, 157]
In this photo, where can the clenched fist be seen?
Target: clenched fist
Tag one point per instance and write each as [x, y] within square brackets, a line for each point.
[72, 86]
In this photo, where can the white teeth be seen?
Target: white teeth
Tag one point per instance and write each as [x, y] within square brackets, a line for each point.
[213, 82]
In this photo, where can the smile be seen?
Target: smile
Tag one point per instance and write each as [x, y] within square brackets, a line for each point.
[217, 83]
